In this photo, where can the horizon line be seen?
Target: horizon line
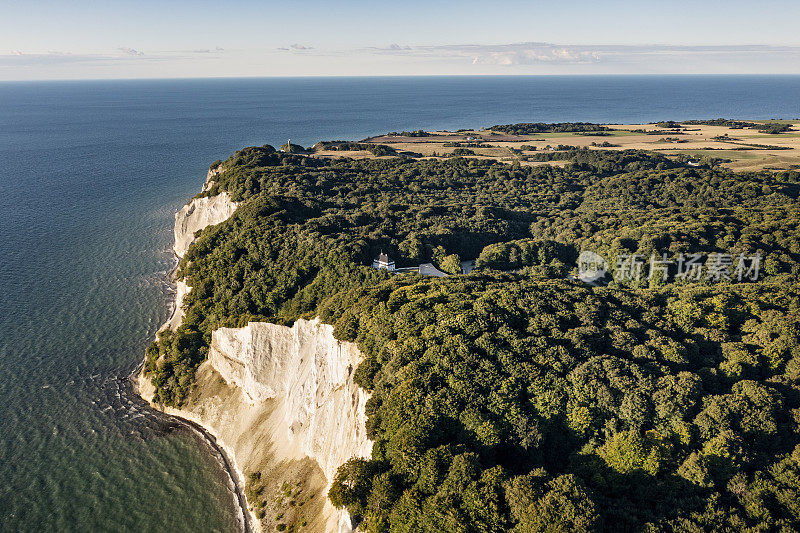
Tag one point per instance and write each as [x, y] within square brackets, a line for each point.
[369, 76]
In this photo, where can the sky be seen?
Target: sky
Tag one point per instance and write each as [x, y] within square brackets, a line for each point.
[77, 39]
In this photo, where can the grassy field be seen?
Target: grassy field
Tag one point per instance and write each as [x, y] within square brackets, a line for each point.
[776, 151]
[722, 154]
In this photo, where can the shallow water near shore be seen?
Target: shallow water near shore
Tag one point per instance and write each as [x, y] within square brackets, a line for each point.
[91, 175]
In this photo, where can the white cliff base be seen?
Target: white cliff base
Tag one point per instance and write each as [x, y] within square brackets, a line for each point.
[280, 401]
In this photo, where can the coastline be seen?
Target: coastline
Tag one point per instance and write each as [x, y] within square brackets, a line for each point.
[138, 387]
[141, 390]
[257, 416]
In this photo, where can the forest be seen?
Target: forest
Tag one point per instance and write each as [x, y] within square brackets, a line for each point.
[532, 128]
[766, 127]
[516, 398]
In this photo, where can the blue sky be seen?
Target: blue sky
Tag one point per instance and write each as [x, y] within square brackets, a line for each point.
[111, 39]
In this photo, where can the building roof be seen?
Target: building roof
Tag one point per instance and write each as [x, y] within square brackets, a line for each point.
[383, 258]
[427, 269]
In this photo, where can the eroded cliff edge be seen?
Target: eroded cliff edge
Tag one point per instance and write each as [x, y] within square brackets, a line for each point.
[279, 400]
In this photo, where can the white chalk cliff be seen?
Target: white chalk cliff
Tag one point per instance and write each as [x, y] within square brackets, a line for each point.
[175, 320]
[310, 373]
[288, 393]
[198, 214]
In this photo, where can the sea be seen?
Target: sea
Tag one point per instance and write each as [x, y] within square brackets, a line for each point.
[91, 173]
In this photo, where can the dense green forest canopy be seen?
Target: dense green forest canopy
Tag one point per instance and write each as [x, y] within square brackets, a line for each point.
[376, 149]
[774, 127]
[766, 127]
[532, 128]
[670, 124]
[735, 124]
[514, 398]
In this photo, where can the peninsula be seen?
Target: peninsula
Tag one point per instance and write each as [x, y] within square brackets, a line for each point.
[360, 371]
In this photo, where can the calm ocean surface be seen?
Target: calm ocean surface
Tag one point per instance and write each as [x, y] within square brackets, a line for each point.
[90, 175]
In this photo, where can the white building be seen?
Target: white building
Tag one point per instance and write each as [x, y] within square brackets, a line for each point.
[383, 262]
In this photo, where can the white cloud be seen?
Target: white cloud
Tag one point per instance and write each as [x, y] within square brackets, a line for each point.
[216, 50]
[539, 53]
[130, 51]
[399, 59]
[296, 46]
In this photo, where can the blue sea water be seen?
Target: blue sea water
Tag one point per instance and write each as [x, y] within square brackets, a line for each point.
[90, 175]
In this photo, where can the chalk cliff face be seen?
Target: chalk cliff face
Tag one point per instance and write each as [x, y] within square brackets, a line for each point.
[286, 404]
[198, 214]
[181, 290]
[191, 218]
[310, 373]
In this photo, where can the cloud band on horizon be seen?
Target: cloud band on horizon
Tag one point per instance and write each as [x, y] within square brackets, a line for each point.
[397, 59]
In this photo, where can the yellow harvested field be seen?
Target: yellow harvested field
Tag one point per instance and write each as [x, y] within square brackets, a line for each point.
[742, 149]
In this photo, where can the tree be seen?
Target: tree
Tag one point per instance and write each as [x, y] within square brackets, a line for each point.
[566, 506]
[451, 264]
[352, 485]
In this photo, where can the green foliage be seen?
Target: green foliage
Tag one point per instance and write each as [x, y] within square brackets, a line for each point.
[565, 506]
[525, 252]
[415, 133]
[735, 124]
[352, 487]
[767, 127]
[774, 127]
[629, 451]
[451, 264]
[375, 149]
[532, 128]
[604, 144]
[514, 398]
[291, 148]
[171, 361]
[670, 124]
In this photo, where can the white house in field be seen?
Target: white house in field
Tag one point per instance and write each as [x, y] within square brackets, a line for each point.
[383, 262]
